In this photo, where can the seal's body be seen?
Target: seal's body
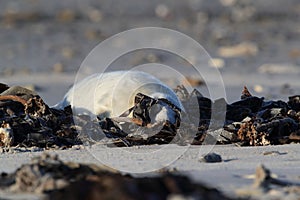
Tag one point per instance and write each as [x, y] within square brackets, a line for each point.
[111, 94]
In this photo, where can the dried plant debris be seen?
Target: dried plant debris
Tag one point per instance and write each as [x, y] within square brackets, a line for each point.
[267, 186]
[56, 179]
[26, 121]
[252, 121]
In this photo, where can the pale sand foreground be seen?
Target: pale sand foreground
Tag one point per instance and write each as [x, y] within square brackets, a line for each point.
[228, 176]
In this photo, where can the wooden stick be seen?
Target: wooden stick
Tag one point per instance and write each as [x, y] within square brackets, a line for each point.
[13, 98]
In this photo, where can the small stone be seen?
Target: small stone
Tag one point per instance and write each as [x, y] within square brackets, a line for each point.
[202, 18]
[258, 88]
[216, 62]
[211, 158]
[66, 15]
[271, 68]
[67, 52]
[58, 68]
[152, 58]
[183, 24]
[242, 49]
[162, 11]
[93, 34]
[95, 15]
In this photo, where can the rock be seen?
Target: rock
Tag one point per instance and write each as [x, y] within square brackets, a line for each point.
[152, 58]
[272, 68]
[217, 63]
[93, 34]
[162, 11]
[58, 67]
[258, 88]
[242, 49]
[67, 52]
[211, 158]
[95, 15]
[66, 15]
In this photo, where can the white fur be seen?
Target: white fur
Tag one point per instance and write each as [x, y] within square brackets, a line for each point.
[111, 94]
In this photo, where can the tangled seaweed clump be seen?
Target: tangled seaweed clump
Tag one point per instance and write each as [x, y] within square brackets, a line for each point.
[28, 121]
[50, 176]
[252, 121]
[25, 120]
[270, 122]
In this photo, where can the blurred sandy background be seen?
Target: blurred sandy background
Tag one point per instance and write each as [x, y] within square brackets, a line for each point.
[254, 43]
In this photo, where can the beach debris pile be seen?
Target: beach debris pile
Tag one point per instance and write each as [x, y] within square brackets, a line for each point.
[50, 176]
[26, 121]
[252, 121]
[267, 122]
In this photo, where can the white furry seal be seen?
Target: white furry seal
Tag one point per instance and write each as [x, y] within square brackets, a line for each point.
[111, 94]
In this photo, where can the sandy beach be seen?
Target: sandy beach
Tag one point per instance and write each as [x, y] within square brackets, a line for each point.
[234, 173]
[254, 44]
